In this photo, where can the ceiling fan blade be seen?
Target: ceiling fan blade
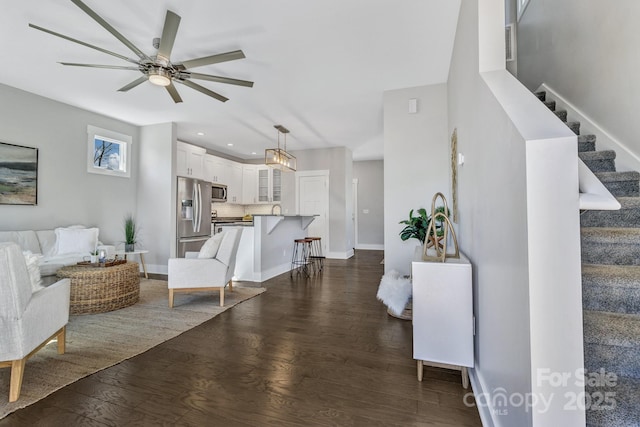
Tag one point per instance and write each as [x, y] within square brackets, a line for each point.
[218, 79]
[169, 32]
[112, 67]
[213, 59]
[109, 28]
[174, 93]
[62, 36]
[203, 89]
[133, 84]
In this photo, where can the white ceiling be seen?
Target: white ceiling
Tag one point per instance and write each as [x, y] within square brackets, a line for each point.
[320, 67]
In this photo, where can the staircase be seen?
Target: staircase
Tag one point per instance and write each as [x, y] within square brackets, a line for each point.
[610, 288]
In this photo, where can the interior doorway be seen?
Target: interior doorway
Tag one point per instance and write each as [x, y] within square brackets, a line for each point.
[312, 196]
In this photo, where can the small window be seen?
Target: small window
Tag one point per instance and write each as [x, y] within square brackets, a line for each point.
[108, 152]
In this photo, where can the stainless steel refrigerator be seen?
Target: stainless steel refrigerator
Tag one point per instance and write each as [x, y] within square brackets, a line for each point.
[194, 214]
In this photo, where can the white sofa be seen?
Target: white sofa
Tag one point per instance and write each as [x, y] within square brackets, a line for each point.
[59, 247]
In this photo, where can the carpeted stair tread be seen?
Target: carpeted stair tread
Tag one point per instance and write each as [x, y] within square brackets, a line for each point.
[627, 216]
[610, 234]
[613, 329]
[599, 161]
[625, 392]
[621, 183]
[611, 342]
[574, 126]
[618, 176]
[586, 143]
[562, 115]
[614, 288]
[541, 95]
[618, 245]
[597, 155]
[551, 105]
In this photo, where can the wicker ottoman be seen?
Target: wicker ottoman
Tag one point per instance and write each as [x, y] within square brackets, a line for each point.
[101, 289]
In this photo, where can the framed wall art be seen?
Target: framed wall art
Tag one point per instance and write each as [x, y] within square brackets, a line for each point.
[18, 175]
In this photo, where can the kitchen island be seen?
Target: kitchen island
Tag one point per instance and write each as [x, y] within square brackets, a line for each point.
[265, 248]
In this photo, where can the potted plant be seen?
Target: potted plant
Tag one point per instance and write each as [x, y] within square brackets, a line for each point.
[416, 226]
[130, 233]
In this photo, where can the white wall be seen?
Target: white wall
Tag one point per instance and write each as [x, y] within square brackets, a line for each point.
[519, 162]
[67, 193]
[586, 50]
[338, 162]
[370, 176]
[416, 163]
[156, 203]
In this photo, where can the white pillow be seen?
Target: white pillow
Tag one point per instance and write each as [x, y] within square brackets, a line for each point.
[33, 267]
[210, 247]
[76, 240]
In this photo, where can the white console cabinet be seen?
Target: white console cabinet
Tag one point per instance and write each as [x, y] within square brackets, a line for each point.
[443, 321]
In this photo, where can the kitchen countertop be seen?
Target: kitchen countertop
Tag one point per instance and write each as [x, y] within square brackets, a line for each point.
[286, 215]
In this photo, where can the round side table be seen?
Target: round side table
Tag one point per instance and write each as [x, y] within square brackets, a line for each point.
[100, 289]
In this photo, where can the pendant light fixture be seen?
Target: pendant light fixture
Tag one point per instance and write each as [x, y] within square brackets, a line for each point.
[278, 158]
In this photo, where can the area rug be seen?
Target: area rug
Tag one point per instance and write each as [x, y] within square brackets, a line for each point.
[98, 341]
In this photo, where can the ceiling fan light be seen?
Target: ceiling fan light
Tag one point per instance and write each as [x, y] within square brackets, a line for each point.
[159, 77]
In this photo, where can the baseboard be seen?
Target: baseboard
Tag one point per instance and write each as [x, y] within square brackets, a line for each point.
[156, 269]
[485, 412]
[369, 247]
[340, 255]
[275, 271]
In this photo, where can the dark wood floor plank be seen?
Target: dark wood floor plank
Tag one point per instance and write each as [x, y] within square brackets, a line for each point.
[308, 352]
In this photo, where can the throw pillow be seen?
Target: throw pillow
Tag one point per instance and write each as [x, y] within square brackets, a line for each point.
[76, 240]
[33, 267]
[211, 246]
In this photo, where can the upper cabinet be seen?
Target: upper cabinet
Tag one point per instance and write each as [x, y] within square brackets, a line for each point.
[216, 169]
[249, 184]
[269, 185]
[190, 161]
[234, 182]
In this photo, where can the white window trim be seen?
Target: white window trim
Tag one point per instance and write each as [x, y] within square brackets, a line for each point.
[521, 6]
[94, 132]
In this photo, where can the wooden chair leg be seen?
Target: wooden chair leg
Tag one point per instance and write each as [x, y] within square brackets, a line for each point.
[170, 298]
[17, 371]
[62, 338]
[420, 370]
[222, 296]
[230, 285]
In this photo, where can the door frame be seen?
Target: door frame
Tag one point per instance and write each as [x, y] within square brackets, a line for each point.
[325, 174]
[354, 185]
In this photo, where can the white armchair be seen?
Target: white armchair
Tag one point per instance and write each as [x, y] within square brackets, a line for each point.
[28, 321]
[194, 274]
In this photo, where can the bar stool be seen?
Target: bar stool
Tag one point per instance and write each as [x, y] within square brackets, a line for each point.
[316, 252]
[300, 256]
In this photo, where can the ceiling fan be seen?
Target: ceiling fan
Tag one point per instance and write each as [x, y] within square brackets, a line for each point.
[158, 69]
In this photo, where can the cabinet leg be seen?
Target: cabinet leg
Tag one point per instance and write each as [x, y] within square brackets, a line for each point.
[420, 368]
[465, 378]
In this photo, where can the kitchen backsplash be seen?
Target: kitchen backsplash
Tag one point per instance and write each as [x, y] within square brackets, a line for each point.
[226, 210]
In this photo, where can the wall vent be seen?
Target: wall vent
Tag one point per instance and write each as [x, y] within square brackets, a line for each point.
[510, 42]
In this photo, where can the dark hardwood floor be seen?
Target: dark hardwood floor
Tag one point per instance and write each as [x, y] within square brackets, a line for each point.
[307, 352]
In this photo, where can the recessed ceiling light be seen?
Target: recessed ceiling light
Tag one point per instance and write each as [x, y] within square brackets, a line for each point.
[229, 145]
[253, 152]
[201, 133]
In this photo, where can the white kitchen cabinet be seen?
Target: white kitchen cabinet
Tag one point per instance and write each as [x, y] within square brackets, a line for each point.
[443, 321]
[233, 176]
[190, 161]
[216, 169]
[249, 184]
[269, 185]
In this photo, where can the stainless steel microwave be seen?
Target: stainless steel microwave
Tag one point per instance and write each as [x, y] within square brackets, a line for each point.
[218, 193]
